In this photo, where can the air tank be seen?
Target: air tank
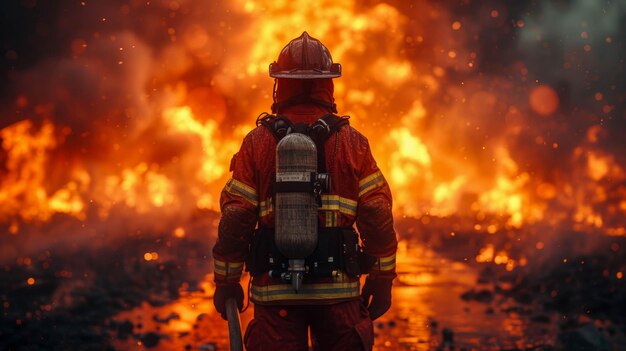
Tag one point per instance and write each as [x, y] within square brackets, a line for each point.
[296, 208]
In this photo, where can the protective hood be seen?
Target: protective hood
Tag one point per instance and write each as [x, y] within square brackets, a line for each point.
[290, 92]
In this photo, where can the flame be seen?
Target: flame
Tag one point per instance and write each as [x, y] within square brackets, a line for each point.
[429, 132]
[488, 254]
[141, 188]
[24, 191]
[182, 120]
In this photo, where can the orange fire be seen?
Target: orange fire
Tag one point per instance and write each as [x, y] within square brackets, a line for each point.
[396, 70]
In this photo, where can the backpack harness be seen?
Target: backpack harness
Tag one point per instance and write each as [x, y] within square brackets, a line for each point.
[338, 248]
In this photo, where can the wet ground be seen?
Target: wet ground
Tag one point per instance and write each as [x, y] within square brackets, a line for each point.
[154, 292]
[427, 313]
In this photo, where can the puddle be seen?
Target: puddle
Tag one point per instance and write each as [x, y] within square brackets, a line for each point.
[427, 312]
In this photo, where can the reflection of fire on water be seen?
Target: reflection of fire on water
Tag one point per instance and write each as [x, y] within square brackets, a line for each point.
[425, 302]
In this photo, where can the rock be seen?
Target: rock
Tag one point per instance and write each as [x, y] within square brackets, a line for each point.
[167, 318]
[448, 336]
[158, 300]
[124, 329]
[584, 338]
[194, 286]
[516, 309]
[482, 295]
[150, 339]
[569, 322]
[540, 318]
[209, 346]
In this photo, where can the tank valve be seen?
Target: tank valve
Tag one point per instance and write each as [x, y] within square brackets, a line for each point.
[296, 271]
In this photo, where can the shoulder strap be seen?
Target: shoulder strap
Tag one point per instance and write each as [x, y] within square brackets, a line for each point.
[320, 131]
[277, 125]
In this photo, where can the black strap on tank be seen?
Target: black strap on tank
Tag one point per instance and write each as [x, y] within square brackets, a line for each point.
[320, 131]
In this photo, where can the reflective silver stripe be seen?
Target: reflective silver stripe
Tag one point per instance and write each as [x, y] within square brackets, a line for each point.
[307, 292]
[338, 203]
[371, 182]
[238, 188]
[331, 219]
[228, 269]
[266, 207]
[385, 263]
[329, 203]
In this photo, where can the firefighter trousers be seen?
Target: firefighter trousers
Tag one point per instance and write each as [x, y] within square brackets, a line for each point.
[339, 326]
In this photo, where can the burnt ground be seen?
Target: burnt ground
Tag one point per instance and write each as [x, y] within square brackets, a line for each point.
[577, 275]
[77, 289]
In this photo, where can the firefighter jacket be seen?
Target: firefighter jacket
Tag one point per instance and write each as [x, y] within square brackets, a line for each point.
[358, 194]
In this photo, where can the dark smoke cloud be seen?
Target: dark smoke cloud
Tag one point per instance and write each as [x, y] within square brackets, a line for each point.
[553, 45]
[545, 40]
[102, 68]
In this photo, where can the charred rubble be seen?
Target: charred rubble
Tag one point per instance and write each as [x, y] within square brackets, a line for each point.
[576, 276]
[74, 292]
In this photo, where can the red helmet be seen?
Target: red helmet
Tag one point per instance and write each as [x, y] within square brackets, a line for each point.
[305, 58]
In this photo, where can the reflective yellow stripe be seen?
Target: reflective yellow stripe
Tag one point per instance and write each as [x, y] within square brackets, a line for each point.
[338, 290]
[228, 278]
[330, 203]
[228, 269]
[371, 182]
[338, 203]
[230, 264]
[330, 219]
[266, 207]
[237, 188]
[385, 263]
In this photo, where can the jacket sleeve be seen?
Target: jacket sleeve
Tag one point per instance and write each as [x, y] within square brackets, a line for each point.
[239, 207]
[374, 217]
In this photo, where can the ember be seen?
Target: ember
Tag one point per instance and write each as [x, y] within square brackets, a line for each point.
[498, 126]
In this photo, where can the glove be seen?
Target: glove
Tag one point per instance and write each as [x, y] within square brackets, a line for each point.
[225, 292]
[379, 290]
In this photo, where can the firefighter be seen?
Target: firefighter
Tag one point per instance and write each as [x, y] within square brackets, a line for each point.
[329, 300]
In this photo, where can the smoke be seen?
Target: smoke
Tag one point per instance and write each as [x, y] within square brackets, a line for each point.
[466, 103]
[112, 66]
[104, 81]
[578, 46]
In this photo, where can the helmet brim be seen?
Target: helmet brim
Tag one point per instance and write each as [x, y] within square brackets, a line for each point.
[301, 74]
[276, 72]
